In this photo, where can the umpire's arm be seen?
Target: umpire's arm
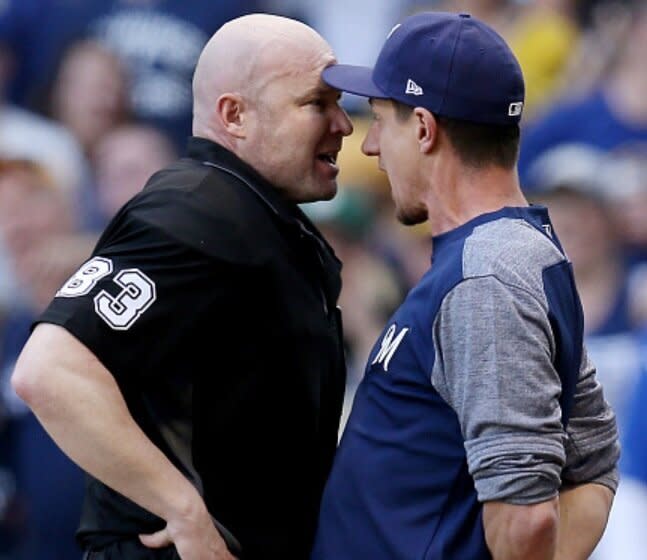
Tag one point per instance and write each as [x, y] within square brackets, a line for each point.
[80, 405]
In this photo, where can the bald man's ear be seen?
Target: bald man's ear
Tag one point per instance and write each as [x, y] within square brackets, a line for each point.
[230, 114]
[426, 129]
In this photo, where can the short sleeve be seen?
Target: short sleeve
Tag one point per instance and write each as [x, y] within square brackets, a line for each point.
[136, 301]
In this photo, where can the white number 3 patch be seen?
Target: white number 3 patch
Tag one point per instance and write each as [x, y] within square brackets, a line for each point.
[120, 311]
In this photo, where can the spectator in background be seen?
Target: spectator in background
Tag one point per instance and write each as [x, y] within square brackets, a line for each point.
[573, 186]
[626, 179]
[543, 34]
[89, 93]
[612, 117]
[33, 211]
[157, 40]
[26, 136]
[124, 160]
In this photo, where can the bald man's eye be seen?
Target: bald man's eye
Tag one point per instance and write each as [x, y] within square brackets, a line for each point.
[318, 103]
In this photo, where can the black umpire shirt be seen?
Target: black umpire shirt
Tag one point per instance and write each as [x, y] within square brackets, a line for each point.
[212, 301]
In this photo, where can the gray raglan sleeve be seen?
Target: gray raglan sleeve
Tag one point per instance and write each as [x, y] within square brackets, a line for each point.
[592, 448]
[493, 366]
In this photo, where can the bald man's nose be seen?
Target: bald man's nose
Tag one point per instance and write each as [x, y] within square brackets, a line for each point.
[341, 122]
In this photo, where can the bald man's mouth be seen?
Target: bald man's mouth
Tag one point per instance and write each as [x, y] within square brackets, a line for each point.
[328, 162]
[330, 157]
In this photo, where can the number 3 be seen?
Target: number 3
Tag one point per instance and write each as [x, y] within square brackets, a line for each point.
[136, 296]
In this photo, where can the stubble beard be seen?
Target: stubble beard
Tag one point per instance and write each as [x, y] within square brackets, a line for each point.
[411, 216]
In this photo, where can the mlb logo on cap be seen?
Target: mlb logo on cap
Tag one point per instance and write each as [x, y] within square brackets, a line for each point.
[515, 109]
[451, 64]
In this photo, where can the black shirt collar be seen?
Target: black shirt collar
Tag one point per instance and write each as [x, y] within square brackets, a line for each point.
[211, 153]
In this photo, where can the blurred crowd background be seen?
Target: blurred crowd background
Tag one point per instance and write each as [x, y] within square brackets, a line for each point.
[95, 95]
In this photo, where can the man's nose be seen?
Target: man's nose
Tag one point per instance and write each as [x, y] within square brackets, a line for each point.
[370, 145]
[341, 122]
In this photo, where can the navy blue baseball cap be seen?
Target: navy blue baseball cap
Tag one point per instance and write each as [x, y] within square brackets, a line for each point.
[451, 64]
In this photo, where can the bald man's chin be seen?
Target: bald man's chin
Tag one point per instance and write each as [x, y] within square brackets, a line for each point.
[320, 190]
[331, 192]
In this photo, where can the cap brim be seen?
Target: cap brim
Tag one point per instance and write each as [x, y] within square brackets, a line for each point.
[352, 79]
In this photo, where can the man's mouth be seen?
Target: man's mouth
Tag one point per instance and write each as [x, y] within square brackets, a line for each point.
[328, 157]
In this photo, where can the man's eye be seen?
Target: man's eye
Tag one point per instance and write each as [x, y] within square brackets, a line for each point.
[317, 102]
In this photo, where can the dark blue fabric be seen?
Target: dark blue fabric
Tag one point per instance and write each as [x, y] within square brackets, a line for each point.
[567, 322]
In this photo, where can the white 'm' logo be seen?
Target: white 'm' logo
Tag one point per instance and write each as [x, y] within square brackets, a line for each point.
[413, 88]
[514, 109]
[388, 346]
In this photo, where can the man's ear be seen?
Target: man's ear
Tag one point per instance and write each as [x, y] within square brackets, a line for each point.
[426, 129]
[230, 112]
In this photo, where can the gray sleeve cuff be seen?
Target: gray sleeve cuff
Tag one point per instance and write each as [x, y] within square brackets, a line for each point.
[519, 469]
[592, 448]
[610, 479]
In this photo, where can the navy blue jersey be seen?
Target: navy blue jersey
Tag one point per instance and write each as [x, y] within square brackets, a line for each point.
[478, 389]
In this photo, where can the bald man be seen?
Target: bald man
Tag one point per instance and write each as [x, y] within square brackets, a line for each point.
[193, 366]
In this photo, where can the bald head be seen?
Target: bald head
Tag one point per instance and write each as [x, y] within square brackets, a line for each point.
[242, 57]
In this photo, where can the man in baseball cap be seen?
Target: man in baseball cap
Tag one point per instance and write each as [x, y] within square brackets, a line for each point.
[479, 429]
[453, 65]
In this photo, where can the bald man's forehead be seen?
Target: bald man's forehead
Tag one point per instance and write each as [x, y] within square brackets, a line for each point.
[289, 60]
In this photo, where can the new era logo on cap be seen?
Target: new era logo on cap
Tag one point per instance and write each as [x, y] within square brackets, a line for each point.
[413, 88]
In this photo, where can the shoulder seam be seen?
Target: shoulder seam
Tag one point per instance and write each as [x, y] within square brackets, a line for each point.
[500, 281]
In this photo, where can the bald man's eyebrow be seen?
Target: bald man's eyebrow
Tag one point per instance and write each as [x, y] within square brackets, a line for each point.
[319, 91]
